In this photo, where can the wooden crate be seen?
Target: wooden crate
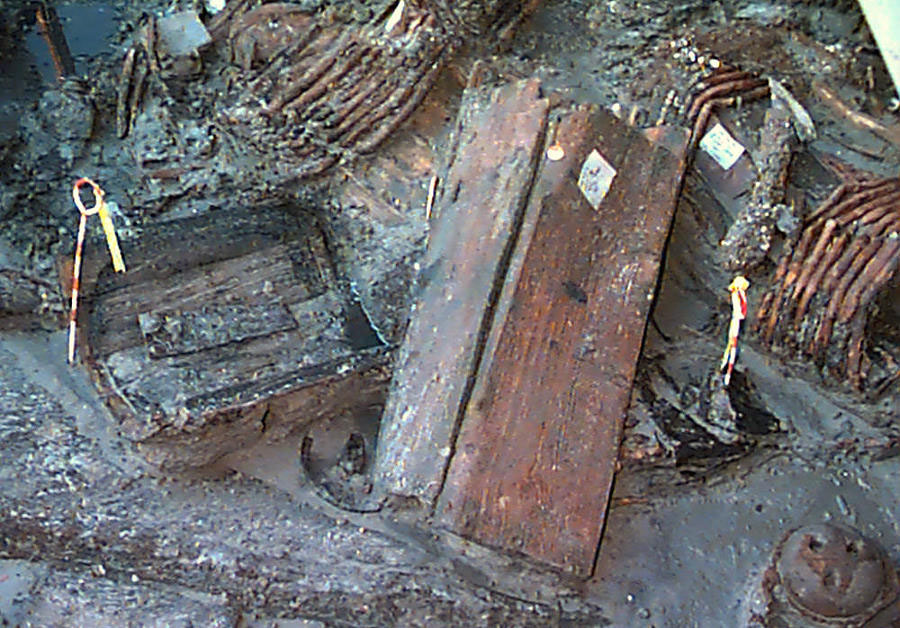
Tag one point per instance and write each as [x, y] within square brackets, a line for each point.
[226, 329]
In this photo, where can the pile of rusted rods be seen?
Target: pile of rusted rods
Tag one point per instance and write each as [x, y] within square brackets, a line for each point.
[336, 91]
[723, 88]
[823, 291]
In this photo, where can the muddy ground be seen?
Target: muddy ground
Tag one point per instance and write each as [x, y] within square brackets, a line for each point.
[92, 535]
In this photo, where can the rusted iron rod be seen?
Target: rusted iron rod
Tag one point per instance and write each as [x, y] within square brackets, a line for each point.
[861, 120]
[52, 32]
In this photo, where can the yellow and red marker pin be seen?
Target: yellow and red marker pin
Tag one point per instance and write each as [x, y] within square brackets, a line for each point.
[738, 289]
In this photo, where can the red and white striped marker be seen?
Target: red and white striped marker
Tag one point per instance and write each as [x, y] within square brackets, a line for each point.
[112, 242]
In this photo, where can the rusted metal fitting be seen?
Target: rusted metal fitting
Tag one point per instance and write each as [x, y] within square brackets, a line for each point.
[835, 576]
[336, 460]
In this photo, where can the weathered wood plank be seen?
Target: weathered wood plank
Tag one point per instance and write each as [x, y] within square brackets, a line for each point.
[213, 284]
[225, 331]
[475, 220]
[536, 453]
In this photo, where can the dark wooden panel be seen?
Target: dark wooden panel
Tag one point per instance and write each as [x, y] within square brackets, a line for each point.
[227, 329]
[170, 332]
[537, 448]
[255, 279]
[498, 138]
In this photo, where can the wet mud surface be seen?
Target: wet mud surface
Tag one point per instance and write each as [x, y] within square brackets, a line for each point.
[710, 479]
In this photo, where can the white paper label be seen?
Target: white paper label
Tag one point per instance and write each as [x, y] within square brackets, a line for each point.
[718, 144]
[596, 176]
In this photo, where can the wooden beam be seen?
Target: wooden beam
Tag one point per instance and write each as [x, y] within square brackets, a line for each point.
[499, 136]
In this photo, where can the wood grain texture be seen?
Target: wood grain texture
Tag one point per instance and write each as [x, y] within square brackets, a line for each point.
[226, 330]
[476, 216]
[536, 453]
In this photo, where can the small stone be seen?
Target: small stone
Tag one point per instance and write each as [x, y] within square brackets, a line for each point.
[183, 33]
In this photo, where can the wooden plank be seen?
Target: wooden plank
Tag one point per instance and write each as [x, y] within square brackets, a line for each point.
[538, 443]
[242, 335]
[214, 284]
[498, 138]
[169, 332]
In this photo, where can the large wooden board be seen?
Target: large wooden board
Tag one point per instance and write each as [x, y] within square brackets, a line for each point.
[536, 453]
[498, 139]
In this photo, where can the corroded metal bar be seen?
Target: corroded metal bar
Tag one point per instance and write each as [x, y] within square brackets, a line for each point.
[52, 32]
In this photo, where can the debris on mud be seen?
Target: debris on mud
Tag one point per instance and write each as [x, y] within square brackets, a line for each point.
[749, 238]
[314, 197]
[27, 302]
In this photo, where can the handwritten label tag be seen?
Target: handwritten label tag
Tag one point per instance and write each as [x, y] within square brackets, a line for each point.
[596, 176]
[718, 144]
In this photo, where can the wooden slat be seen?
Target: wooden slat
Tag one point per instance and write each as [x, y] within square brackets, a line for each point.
[537, 448]
[499, 135]
[215, 284]
[170, 333]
